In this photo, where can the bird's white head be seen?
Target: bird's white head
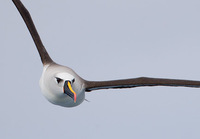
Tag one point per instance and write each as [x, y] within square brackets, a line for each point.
[60, 87]
[64, 83]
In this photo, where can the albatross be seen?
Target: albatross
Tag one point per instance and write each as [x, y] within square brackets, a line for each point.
[62, 86]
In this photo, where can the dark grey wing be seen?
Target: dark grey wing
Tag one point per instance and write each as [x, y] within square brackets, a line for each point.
[31, 27]
[139, 82]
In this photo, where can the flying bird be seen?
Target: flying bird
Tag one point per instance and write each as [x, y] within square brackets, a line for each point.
[62, 86]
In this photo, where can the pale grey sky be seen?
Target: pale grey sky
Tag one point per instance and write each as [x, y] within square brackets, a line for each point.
[102, 40]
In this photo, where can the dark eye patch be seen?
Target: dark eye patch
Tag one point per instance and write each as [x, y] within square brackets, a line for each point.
[73, 80]
[58, 80]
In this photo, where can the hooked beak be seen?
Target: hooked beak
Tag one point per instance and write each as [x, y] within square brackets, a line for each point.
[69, 91]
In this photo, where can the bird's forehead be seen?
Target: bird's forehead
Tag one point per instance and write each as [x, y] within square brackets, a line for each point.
[65, 75]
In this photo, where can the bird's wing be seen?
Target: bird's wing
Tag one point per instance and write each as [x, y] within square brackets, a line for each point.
[31, 27]
[139, 82]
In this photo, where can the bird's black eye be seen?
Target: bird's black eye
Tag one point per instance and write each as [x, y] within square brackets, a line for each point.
[73, 80]
[58, 80]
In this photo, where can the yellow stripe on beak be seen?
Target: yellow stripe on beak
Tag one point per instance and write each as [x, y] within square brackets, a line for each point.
[70, 88]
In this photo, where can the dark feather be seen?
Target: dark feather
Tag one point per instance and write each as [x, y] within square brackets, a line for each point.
[31, 27]
[139, 82]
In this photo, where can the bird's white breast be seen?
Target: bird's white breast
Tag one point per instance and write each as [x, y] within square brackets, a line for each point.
[55, 94]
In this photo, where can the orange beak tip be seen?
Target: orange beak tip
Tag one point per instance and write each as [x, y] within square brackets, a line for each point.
[75, 99]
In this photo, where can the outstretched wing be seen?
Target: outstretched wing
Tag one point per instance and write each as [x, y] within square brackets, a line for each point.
[139, 82]
[31, 27]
